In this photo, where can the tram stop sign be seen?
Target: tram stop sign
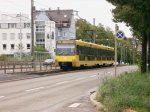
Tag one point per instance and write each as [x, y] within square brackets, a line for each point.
[119, 34]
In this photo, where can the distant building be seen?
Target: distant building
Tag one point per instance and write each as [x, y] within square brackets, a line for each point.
[65, 23]
[50, 25]
[45, 33]
[15, 33]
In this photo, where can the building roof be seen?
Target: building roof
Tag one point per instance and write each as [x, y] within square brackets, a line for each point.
[61, 17]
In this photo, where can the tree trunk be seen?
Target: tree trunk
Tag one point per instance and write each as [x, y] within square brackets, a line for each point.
[148, 35]
[144, 53]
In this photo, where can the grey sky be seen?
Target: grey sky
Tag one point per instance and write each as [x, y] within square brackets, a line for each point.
[88, 9]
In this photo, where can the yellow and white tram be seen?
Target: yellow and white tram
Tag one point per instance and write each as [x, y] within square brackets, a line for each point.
[76, 53]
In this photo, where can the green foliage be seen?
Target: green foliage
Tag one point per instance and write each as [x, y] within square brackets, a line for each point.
[3, 58]
[103, 35]
[82, 29]
[40, 48]
[135, 13]
[127, 91]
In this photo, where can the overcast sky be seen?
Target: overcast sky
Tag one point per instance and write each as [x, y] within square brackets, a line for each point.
[88, 9]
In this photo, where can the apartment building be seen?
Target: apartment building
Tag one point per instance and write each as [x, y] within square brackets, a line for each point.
[50, 25]
[45, 33]
[64, 22]
[14, 33]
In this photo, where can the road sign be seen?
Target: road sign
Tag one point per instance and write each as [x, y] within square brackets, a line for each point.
[119, 34]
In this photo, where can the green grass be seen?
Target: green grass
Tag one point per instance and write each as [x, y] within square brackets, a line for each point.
[131, 91]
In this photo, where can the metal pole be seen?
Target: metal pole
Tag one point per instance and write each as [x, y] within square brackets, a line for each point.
[133, 57]
[20, 36]
[94, 37]
[121, 53]
[124, 54]
[32, 29]
[116, 29]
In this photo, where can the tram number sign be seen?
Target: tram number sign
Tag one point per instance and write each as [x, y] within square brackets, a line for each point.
[119, 34]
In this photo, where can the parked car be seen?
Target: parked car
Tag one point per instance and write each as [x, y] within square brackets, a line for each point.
[48, 62]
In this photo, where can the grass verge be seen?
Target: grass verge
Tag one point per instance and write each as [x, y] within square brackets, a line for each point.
[131, 91]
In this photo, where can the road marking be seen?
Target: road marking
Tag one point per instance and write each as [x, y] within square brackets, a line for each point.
[34, 89]
[75, 105]
[93, 76]
[2, 96]
[62, 82]
[80, 78]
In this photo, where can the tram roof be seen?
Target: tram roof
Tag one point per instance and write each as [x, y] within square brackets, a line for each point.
[80, 42]
[88, 44]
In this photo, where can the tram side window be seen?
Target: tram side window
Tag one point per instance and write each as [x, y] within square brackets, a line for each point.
[78, 50]
[81, 50]
[94, 51]
[87, 51]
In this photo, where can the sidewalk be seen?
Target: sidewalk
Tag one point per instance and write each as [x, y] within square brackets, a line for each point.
[10, 77]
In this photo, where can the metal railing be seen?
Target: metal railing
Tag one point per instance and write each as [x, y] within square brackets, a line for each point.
[24, 67]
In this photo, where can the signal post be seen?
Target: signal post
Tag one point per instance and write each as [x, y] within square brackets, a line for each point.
[118, 35]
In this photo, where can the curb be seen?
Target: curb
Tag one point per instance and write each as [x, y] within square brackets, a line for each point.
[99, 106]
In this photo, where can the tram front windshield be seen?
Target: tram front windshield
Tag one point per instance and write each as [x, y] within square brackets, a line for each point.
[65, 49]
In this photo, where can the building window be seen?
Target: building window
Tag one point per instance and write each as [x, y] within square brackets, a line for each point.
[59, 34]
[4, 47]
[27, 25]
[52, 35]
[4, 36]
[12, 46]
[40, 40]
[28, 46]
[65, 16]
[47, 36]
[65, 24]
[12, 36]
[65, 34]
[4, 25]
[40, 28]
[12, 25]
[28, 35]
[20, 35]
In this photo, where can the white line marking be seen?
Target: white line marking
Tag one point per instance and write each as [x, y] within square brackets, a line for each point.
[2, 96]
[75, 105]
[93, 76]
[62, 82]
[34, 89]
[80, 78]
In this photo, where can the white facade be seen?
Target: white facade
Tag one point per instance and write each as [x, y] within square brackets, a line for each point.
[13, 34]
[45, 33]
[10, 30]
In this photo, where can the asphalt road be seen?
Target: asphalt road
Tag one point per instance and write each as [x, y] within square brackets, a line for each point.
[51, 94]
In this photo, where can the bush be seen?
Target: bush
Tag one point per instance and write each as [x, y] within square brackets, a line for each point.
[131, 91]
[3, 58]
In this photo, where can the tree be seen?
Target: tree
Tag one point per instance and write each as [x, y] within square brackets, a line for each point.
[40, 48]
[85, 32]
[135, 14]
[82, 29]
